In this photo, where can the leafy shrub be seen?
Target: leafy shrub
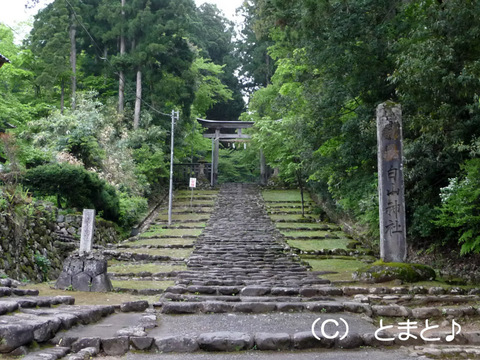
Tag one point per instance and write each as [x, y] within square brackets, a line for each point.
[460, 209]
[78, 187]
[131, 209]
[43, 264]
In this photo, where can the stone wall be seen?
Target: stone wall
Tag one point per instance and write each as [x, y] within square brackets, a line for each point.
[35, 240]
[69, 227]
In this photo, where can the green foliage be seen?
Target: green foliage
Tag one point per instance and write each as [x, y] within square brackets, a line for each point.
[210, 89]
[131, 209]
[78, 187]
[18, 103]
[460, 207]
[335, 62]
[43, 263]
[237, 165]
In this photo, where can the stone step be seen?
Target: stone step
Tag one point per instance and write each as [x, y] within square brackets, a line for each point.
[11, 304]
[168, 296]
[41, 324]
[256, 307]
[52, 353]
[131, 256]
[175, 246]
[256, 291]
[9, 291]
[144, 275]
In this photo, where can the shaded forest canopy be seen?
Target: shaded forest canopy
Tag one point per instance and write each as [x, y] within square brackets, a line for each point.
[94, 82]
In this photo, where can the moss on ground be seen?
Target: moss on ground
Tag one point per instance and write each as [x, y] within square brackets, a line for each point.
[88, 298]
[343, 268]
[380, 271]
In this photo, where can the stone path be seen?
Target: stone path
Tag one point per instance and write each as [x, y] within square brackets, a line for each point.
[242, 271]
[240, 247]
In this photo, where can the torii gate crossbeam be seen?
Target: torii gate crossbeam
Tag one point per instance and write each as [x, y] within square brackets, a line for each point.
[218, 125]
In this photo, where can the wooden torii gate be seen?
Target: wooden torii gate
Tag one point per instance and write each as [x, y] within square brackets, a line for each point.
[217, 136]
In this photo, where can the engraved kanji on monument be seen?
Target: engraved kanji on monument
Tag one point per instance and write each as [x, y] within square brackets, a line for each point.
[88, 228]
[393, 240]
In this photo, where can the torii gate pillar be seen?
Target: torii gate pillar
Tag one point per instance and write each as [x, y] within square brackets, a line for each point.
[215, 150]
[218, 125]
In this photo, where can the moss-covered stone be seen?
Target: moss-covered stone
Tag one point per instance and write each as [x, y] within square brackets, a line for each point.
[380, 271]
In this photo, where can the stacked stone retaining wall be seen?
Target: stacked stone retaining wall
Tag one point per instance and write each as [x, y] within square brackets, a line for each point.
[34, 242]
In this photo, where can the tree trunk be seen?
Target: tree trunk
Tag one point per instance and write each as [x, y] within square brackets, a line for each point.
[138, 100]
[73, 59]
[121, 75]
[300, 184]
[62, 96]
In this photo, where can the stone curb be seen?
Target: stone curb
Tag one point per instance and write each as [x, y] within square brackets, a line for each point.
[253, 290]
[224, 341]
[391, 311]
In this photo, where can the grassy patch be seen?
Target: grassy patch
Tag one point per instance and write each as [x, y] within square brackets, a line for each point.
[343, 268]
[316, 245]
[292, 217]
[162, 241]
[125, 268]
[158, 231]
[141, 284]
[88, 298]
[296, 204]
[192, 210]
[174, 253]
[184, 217]
[195, 192]
[175, 226]
[306, 233]
[313, 225]
[186, 202]
[288, 210]
[284, 195]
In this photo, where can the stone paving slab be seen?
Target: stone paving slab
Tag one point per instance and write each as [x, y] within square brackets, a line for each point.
[318, 354]
[193, 325]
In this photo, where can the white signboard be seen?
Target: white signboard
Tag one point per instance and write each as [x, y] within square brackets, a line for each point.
[193, 182]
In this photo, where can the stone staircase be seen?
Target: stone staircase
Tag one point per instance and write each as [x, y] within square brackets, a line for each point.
[240, 271]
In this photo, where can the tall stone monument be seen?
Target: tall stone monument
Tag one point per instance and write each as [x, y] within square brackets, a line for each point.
[88, 229]
[393, 241]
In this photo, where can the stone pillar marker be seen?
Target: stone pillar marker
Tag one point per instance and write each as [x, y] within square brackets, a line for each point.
[393, 240]
[88, 228]
[85, 270]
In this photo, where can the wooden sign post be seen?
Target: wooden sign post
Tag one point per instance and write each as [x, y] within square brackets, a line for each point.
[193, 185]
